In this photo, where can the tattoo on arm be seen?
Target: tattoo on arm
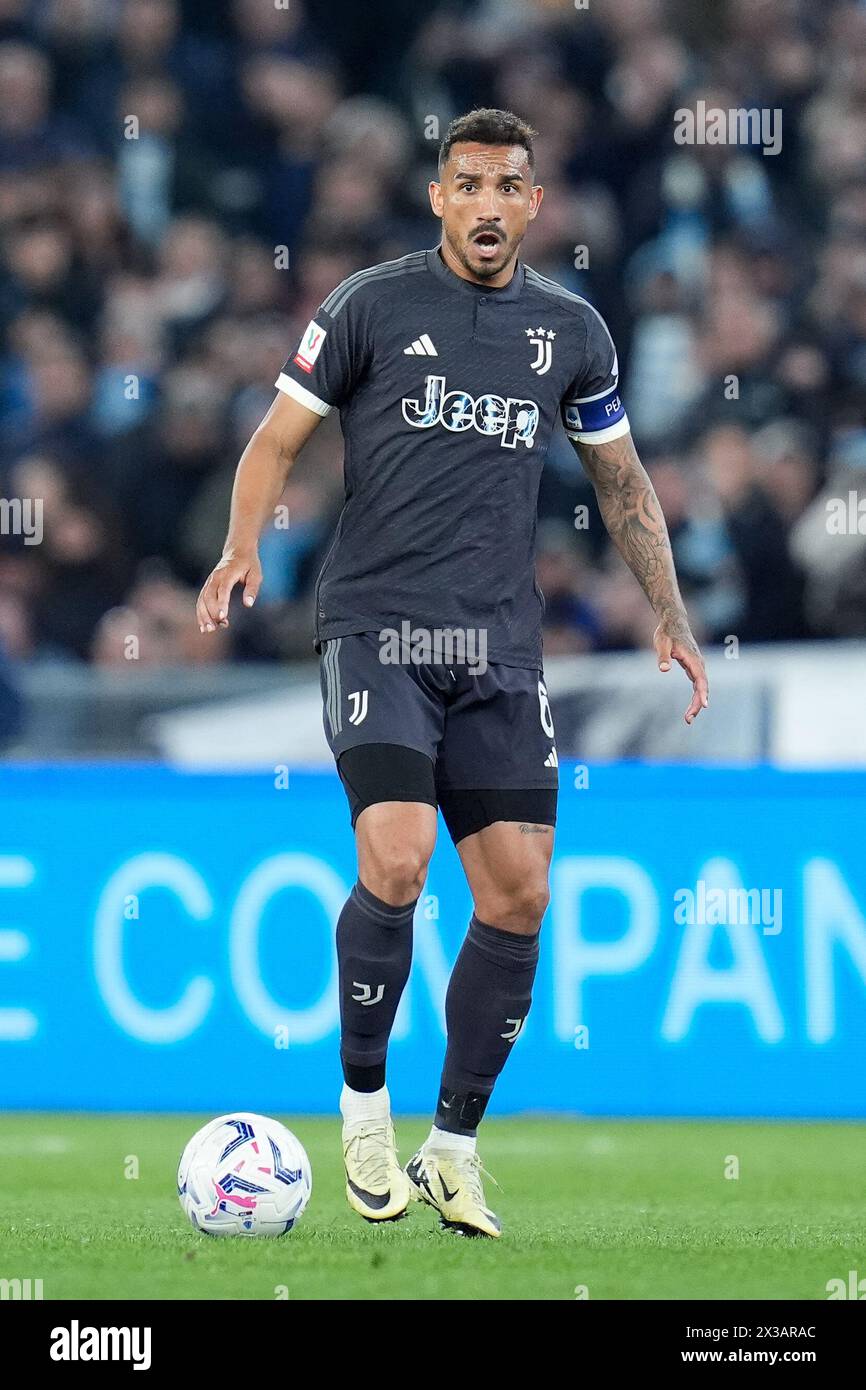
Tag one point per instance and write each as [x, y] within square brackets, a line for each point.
[634, 520]
[535, 829]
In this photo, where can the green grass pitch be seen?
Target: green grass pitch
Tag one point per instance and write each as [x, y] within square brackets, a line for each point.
[625, 1209]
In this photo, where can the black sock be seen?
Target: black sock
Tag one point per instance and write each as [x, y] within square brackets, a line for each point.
[374, 952]
[488, 998]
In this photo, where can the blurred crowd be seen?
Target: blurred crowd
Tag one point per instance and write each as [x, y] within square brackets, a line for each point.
[182, 182]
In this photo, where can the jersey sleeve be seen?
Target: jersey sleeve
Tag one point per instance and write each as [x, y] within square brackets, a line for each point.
[331, 357]
[592, 410]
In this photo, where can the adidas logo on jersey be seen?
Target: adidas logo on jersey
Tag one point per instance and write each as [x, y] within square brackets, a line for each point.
[422, 347]
[551, 760]
[509, 417]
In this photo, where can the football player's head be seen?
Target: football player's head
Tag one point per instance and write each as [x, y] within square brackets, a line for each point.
[486, 195]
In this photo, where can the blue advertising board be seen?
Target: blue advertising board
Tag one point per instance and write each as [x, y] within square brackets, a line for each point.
[166, 943]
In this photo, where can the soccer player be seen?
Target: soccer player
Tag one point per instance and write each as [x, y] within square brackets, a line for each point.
[449, 368]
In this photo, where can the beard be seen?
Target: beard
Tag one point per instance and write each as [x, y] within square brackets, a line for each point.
[478, 267]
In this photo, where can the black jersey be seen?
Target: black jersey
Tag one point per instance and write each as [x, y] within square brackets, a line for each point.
[448, 392]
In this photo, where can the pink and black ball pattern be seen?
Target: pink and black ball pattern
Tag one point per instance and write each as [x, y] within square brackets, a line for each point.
[244, 1175]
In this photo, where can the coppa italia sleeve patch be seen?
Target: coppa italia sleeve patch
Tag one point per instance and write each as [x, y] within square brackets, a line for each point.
[311, 346]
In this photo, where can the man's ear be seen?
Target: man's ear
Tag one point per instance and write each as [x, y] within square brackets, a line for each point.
[437, 200]
[535, 198]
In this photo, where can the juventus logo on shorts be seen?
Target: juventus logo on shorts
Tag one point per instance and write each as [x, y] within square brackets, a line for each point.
[358, 701]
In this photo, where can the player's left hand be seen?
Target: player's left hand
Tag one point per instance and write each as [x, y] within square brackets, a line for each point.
[676, 643]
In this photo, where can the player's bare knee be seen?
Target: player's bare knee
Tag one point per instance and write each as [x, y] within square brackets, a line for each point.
[394, 872]
[529, 904]
[394, 843]
[518, 908]
[395, 880]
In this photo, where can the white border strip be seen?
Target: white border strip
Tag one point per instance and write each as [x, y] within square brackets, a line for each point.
[601, 436]
[301, 394]
[599, 395]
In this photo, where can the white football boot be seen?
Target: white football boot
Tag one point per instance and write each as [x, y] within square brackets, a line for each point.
[450, 1181]
[376, 1186]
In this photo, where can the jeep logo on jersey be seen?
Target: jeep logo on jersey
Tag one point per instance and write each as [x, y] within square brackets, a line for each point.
[511, 418]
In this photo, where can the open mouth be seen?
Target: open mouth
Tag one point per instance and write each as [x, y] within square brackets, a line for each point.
[486, 244]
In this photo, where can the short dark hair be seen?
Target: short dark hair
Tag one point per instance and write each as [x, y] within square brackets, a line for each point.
[487, 126]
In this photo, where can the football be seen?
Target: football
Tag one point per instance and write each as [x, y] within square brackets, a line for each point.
[244, 1175]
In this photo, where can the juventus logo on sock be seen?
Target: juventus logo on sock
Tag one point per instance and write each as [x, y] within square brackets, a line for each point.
[367, 997]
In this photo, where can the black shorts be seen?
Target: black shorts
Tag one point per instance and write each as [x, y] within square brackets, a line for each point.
[479, 743]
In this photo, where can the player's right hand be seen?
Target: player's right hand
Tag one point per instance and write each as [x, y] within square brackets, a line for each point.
[212, 608]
